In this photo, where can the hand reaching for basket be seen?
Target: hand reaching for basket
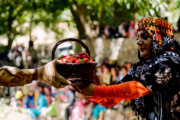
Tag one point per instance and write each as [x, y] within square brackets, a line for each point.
[47, 74]
[13, 76]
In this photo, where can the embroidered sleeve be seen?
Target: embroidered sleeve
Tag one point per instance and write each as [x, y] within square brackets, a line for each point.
[175, 105]
[164, 73]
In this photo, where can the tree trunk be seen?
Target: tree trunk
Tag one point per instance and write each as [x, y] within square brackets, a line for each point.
[84, 29]
[10, 33]
[80, 27]
[30, 28]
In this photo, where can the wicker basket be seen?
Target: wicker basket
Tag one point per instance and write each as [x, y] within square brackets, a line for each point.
[80, 74]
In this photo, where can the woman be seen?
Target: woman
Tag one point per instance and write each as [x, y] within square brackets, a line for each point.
[153, 84]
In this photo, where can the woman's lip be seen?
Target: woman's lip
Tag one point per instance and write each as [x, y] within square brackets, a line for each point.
[141, 49]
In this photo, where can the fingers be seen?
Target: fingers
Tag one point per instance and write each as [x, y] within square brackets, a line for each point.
[53, 77]
[76, 88]
[62, 79]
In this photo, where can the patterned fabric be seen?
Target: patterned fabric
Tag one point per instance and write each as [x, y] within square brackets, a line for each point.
[157, 25]
[160, 74]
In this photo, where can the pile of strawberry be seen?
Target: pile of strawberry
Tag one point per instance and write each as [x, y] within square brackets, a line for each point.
[81, 57]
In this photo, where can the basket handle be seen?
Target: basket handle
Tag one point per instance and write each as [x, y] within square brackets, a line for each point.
[69, 39]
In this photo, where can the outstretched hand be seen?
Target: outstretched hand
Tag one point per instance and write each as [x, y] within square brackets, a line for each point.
[13, 76]
[47, 74]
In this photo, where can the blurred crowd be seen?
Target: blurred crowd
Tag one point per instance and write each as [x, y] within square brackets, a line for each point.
[45, 102]
[20, 57]
[125, 29]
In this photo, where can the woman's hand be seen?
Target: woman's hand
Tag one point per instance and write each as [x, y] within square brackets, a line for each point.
[87, 91]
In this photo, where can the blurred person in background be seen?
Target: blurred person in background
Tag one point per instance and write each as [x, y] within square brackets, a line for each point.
[121, 29]
[56, 93]
[98, 112]
[123, 71]
[132, 30]
[16, 56]
[70, 94]
[48, 95]
[33, 54]
[128, 65]
[78, 108]
[106, 77]
[41, 104]
[30, 100]
[105, 62]
[52, 112]
[19, 97]
[114, 75]
[99, 72]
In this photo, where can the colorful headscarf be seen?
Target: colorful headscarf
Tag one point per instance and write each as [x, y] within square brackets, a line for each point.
[162, 31]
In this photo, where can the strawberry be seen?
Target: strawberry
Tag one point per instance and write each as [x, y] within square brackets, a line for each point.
[78, 56]
[91, 61]
[73, 60]
[68, 58]
[81, 57]
[81, 53]
[86, 59]
[84, 56]
[88, 56]
[70, 54]
[78, 61]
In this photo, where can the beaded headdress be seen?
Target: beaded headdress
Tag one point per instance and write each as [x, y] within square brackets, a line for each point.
[158, 26]
[162, 33]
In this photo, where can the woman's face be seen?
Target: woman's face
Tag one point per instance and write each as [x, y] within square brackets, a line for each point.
[144, 41]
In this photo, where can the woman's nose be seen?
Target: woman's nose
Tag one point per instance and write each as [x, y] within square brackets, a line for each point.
[139, 42]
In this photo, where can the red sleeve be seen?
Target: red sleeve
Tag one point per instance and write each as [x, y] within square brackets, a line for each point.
[114, 94]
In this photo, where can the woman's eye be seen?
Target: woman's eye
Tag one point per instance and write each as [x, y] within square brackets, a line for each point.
[145, 36]
[137, 39]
